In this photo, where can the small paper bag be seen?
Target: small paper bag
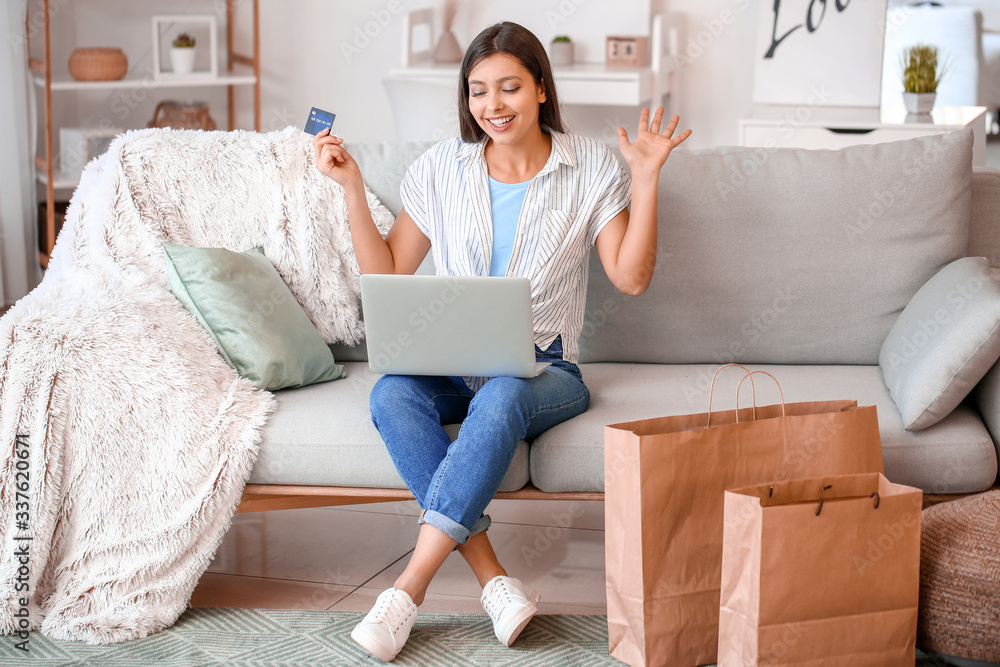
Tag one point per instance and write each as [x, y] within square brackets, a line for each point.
[821, 571]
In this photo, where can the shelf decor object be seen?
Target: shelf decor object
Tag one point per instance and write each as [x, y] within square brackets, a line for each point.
[919, 104]
[188, 115]
[561, 51]
[811, 53]
[98, 64]
[627, 50]
[167, 28]
[447, 49]
[182, 54]
[921, 77]
[418, 37]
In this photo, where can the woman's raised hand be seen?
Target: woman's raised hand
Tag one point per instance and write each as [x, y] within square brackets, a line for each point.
[651, 148]
[334, 161]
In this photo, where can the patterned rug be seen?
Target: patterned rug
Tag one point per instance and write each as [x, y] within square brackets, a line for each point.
[277, 638]
[280, 638]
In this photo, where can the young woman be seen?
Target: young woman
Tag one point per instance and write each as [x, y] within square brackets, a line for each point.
[514, 195]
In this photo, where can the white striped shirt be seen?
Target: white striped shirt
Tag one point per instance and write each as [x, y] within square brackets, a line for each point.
[578, 191]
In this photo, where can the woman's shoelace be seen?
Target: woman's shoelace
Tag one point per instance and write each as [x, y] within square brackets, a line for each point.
[491, 601]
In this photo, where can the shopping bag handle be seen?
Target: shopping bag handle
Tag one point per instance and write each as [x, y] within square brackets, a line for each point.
[753, 387]
[875, 495]
[711, 390]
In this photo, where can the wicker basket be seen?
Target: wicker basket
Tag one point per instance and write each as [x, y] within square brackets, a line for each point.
[98, 64]
[182, 115]
[959, 571]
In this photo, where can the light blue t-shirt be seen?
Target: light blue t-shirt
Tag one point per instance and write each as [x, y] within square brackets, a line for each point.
[505, 203]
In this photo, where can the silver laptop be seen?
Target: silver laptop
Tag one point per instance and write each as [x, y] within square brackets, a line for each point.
[449, 325]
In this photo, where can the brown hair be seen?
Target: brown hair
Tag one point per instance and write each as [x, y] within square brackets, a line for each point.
[519, 42]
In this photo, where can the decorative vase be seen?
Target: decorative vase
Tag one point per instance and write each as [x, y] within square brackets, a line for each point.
[447, 49]
[189, 115]
[561, 53]
[919, 103]
[98, 64]
[182, 59]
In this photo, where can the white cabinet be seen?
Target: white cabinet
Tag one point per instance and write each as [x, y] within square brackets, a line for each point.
[838, 127]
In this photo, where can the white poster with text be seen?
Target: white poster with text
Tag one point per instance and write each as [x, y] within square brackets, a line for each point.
[808, 47]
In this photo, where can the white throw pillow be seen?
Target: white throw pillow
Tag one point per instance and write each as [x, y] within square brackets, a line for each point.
[946, 339]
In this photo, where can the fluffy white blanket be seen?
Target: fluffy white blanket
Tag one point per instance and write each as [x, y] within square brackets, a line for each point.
[127, 440]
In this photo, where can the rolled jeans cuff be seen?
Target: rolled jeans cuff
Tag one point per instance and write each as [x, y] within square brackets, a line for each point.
[452, 528]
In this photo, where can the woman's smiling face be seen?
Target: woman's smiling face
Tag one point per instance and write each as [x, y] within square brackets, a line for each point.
[504, 98]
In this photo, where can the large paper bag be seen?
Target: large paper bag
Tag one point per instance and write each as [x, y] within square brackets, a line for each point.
[664, 481]
[821, 571]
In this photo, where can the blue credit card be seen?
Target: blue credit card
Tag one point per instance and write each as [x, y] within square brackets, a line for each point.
[319, 120]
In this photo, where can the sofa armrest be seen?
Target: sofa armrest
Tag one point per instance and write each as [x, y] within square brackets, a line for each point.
[986, 396]
[984, 228]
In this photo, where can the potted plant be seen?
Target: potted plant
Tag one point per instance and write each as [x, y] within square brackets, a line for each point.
[182, 54]
[921, 77]
[561, 51]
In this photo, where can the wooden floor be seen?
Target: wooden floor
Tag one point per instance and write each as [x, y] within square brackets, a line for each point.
[342, 558]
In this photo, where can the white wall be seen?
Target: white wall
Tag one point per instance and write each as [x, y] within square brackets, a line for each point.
[716, 67]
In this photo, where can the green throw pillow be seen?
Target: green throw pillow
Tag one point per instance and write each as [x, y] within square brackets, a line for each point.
[247, 308]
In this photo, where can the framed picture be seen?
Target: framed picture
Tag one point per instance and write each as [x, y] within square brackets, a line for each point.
[199, 59]
[418, 37]
[819, 53]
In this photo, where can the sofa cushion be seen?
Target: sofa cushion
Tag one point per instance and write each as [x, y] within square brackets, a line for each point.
[323, 435]
[383, 166]
[943, 343]
[343, 352]
[788, 255]
[245, 306]
[954, 456]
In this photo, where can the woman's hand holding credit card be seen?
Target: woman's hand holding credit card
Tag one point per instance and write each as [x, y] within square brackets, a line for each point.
[332, 159]
[318, 121]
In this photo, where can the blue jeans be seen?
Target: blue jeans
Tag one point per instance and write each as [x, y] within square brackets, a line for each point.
[455, 481]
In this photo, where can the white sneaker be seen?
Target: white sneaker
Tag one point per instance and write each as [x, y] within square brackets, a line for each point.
[387, 626]
[510, 604]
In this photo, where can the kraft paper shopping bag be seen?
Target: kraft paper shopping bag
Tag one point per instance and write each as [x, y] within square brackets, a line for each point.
[664, 485]
[821, 571]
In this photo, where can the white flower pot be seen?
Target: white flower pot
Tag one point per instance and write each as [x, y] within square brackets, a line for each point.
[919, 103]
[561, 54]
[182, 59]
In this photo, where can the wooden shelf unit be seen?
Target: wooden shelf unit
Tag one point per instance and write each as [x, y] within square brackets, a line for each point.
[42, 76]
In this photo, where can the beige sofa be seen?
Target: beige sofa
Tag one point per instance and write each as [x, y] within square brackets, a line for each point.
[793, 261]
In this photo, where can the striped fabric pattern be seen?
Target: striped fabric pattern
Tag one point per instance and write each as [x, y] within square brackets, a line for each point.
[580, 189]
